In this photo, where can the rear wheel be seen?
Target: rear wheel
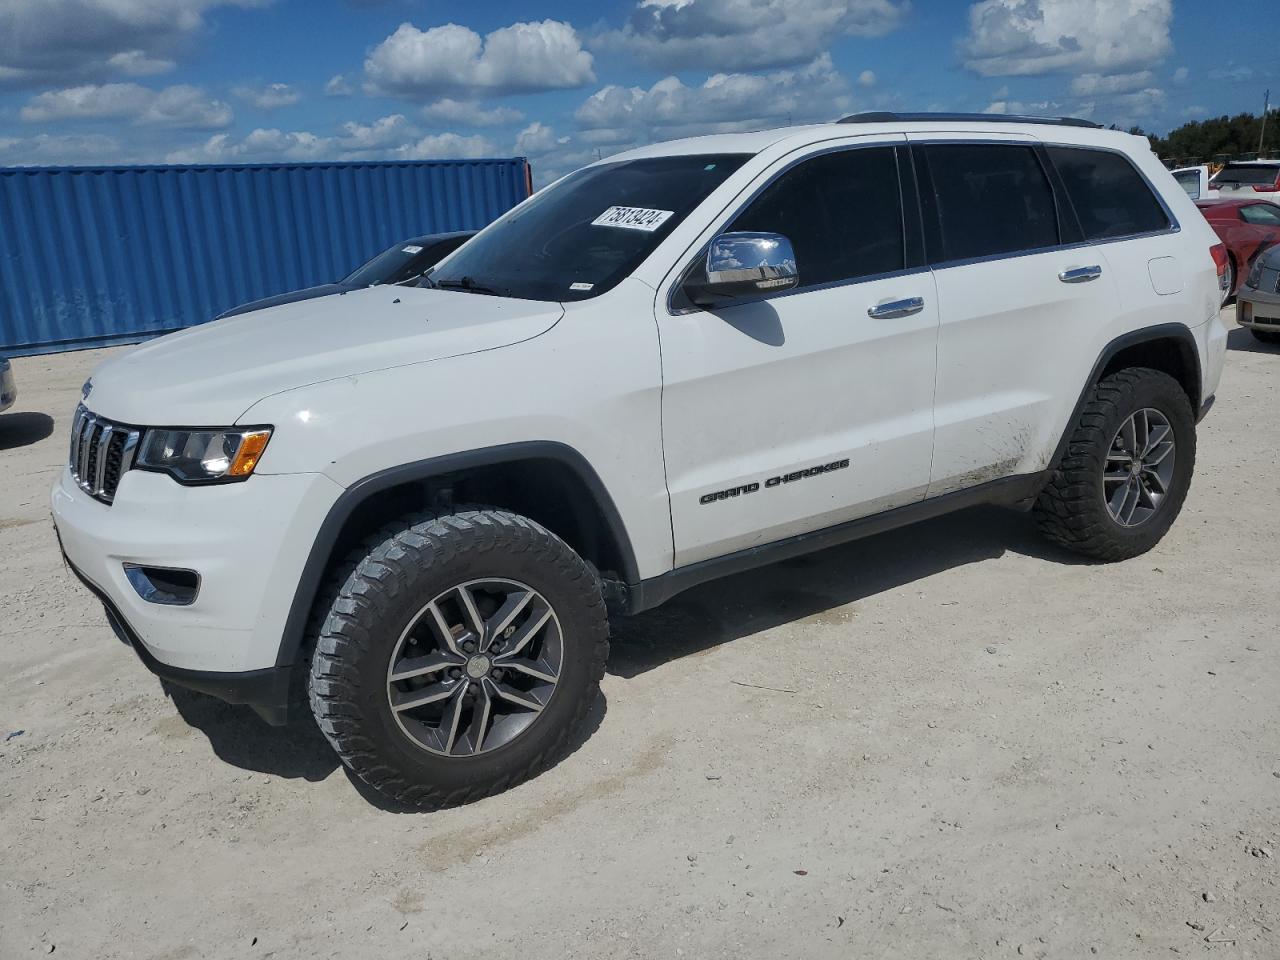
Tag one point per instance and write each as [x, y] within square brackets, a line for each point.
[1126, 470]
[1265, 336]
[458, 656]
[1230, 281]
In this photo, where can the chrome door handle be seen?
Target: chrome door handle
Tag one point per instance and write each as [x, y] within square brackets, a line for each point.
[896, 308]
[1080, 274]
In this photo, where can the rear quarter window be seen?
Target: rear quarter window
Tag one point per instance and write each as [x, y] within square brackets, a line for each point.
[1110, 197]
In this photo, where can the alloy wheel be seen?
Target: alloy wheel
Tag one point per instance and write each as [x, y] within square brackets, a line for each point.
[1139, 467]
[475, 667]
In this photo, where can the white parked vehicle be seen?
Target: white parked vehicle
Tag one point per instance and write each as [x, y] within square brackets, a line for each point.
[681, 362]
[1253, 180]
[1195, 180]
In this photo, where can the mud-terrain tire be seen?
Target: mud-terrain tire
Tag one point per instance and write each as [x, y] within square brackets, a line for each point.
[1077, 508]
[399, 599]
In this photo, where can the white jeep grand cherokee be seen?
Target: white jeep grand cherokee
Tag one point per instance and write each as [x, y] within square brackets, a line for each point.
[674, 364]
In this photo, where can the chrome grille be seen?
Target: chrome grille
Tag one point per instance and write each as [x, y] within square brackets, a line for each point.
[101, 452]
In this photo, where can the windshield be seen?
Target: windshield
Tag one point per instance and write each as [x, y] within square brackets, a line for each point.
[1262, 174]
[584, 235]
[404, 261]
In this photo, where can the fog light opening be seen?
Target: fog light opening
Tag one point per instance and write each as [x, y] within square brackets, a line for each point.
[168, 586]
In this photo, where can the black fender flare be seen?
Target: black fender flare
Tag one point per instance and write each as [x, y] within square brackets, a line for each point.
[360, 491]
[1177, 332]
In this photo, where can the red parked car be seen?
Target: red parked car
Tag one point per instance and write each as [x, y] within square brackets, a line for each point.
[1246, 227]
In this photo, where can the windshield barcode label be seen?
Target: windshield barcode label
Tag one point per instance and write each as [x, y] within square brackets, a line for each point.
[632, 218]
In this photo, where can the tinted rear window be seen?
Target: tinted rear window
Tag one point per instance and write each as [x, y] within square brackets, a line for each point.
[991, 199]
[1111, 198]
[1261, 175]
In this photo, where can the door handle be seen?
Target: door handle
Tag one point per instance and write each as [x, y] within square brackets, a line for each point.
[896, 308]
[1080, 274]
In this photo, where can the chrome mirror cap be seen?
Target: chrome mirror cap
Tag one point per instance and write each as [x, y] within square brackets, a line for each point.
[743, 263]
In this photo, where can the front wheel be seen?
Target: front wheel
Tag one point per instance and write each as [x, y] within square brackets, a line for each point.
[458, 656]
[1126, 470]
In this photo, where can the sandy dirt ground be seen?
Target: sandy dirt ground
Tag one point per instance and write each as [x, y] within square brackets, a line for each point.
[977, 747]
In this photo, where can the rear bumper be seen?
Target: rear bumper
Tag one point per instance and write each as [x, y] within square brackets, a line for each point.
[266, 691]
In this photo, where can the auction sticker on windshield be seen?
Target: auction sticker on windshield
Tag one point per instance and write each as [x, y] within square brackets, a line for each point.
[632, 218]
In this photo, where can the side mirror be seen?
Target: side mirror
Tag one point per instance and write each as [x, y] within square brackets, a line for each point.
[742, 265]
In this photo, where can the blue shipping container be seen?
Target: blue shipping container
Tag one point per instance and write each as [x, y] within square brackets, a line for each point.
[94, 256]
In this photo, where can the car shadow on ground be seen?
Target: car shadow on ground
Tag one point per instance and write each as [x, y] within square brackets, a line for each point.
[1241, 339]
[694, 622]
[722, 611]
[23, 429]
[239, 738]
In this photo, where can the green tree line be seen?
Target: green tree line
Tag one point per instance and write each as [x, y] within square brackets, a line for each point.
[1218, 137]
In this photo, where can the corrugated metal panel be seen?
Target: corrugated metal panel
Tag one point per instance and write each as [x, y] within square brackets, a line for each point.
[91, 256]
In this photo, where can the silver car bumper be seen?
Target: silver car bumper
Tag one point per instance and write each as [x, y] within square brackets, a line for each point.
[1258, 309]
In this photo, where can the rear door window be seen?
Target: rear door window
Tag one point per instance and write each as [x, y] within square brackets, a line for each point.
[1110, 197]
[988, 199]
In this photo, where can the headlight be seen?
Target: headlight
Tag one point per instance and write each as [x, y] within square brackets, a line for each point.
[203, 456]
[1255, 274]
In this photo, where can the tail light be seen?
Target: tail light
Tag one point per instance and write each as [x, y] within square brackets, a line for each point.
[1264, 188]
[1219, 253]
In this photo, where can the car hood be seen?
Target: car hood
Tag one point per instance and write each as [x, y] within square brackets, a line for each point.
[211, 374]
[293, 296]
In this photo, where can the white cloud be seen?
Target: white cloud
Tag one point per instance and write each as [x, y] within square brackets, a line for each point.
[1022, 108]
[1032, 37]
[45, 149]
[448, 146]
[385, 132]
[867, 78]
[523, 57]
[271, 97]
[745, 34]
[1096, 84]
[57, 42]
[1180, 75]
[338, 87]
[537, 139]
[724, 103]
[470, 114]
[1232, 73]
[261, 144]
[135, 63]
[178, 106]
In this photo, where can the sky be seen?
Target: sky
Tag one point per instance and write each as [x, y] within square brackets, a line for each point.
[565, 82]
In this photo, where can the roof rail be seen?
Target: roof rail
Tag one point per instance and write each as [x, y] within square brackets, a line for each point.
[887, 117]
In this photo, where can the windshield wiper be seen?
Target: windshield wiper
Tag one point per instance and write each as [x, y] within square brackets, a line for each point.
[463, 283]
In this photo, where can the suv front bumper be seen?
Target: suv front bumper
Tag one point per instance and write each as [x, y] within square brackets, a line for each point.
[247, 541]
